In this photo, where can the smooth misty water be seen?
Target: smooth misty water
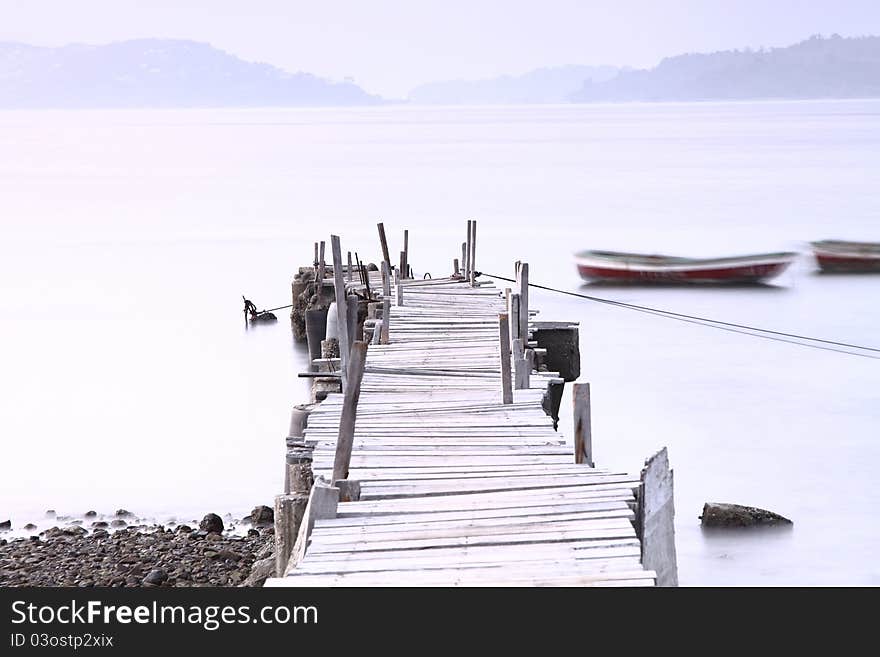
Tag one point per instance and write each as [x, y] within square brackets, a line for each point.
[128, 237]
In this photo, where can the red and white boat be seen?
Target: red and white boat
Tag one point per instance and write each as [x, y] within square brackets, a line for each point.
[840, 256]
[611, 266]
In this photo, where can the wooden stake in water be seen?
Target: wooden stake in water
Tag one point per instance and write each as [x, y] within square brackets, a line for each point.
[349, 274]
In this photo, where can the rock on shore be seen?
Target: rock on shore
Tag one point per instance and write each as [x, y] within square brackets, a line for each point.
[155, 556]
[736, 515]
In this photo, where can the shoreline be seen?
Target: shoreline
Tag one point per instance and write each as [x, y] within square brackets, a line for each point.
[124, 551]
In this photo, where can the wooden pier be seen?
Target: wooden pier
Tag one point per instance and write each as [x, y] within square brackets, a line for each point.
[437, 464]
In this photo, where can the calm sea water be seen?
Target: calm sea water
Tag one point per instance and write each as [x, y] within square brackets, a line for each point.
[128, 238]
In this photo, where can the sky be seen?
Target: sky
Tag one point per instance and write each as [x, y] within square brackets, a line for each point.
[390, 46]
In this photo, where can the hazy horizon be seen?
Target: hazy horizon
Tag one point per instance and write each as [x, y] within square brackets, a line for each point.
[389, 49]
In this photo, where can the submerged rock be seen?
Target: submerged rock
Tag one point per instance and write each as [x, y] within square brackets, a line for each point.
[211, 523]
[736, 515]
[30, 527]
[262, 516]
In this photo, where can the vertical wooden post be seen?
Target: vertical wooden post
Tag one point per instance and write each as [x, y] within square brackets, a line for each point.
[473, 253]
[464, 259]
[655, 519]
[455, 266]
[405, 268]
[521, 368]
[398, 288]
[384, 242]
[320, 276]
[349, 274]
[514, 320]
[290, 508]
[583, 433]
[345, 439]
[524, 302]
[316, 259]
[386, 279]
[386, 320]
[467, 258]
[504, 346]
[341, 308]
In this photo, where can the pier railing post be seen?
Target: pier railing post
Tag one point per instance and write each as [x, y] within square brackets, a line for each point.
[386, 280]
[341, 308]
[521, 369]
[405, 269]
[385, 256]
[473, 256]
[319, 277]
[345, 439]
[514, 306]
[504, 347]
[398, 283]
[290, 508]
[464, 266]
[467, 255]
[655, 519]
[522, 279]
[583, 433]
[386, 321]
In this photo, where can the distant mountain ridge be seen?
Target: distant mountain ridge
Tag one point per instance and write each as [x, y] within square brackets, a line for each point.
[543, 85]
[157, 73]
[834, 67]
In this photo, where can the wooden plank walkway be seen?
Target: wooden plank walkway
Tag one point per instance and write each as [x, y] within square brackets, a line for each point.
[457, 488]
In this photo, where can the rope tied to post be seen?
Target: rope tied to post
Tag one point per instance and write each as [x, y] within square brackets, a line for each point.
[733, 327]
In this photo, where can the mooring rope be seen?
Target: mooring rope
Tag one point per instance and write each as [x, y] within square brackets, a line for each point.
[733, 327]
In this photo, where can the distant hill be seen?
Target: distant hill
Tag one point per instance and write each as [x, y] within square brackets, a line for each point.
[156, 73]
[544, 85]
[835, 67]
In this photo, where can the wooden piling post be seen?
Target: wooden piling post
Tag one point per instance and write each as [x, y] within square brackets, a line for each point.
[386, 279]
[386, 320]
[504, 347]
[398, 280]
[523, 280]
[345, 438]
[455, 266]
[290, 508]
[467, 257]
[514, 320]
[464, 259]
[384, 243]
[520, 366]
[583, 433]
[341, 307]
[473, 257]
[405, 268]
[655, 519]
[349, 274]
[320, 275]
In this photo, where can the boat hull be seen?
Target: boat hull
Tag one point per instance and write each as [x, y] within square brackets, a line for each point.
[847, 257]
[662, 270]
